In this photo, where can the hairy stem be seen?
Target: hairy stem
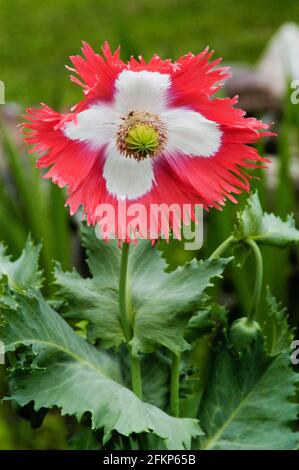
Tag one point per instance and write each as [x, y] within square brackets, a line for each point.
[258, 280]
[175, 385]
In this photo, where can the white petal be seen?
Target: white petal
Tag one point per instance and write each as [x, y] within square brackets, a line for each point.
[141, 91]
[127, 178]
[191, 133]
[96, 125]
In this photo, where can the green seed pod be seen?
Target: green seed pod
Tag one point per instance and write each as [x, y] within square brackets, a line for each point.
[243, 333]
[142, 139]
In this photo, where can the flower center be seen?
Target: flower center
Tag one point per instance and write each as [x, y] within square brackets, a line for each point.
[141, 135]
[142, 139]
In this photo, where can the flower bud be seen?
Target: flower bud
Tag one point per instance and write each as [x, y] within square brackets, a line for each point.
[243, 333]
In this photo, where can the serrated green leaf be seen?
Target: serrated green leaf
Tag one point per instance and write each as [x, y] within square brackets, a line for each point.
[25, 269]
[246, 402]
[160, 303]
[95, 298]
[88, 299]
[70, 373]
[278, 335]
[265, 228]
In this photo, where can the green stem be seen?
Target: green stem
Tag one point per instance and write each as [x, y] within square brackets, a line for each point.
[124, 318]
[221, 248]
[125, 321]
[259, 271]
[175, 385]
[136, 376]
[258, 280]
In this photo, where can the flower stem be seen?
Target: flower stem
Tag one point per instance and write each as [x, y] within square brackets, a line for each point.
[125, 321]
[136, 376]
[221, 248]
[123, 291]
[175, 385]
[258, 280]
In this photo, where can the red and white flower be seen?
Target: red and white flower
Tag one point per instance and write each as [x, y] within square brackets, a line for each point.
[149, 133]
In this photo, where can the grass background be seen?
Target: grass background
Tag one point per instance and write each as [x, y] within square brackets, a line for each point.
[37, 36]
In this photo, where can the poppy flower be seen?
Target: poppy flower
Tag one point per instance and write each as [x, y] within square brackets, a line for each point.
[150, 133]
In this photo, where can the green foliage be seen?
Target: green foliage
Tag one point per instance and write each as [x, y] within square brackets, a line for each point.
[96, 298]
[155, 379]
[246, 402]
[28, 204]
[25, 269]
[277, 332]
[70, 373]
[161, 303]
[164, 302]
[264, 228]
[227, 400]
[210, 316]
[85, 440]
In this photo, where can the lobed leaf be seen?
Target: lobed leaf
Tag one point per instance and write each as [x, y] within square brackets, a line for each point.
[265, 228]
[246, 404]
[160, 303]
[25, 269]
[72, 374]
[277, 332]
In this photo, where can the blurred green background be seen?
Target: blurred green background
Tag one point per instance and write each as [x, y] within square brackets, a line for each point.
[36, 39]
[38, 36]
